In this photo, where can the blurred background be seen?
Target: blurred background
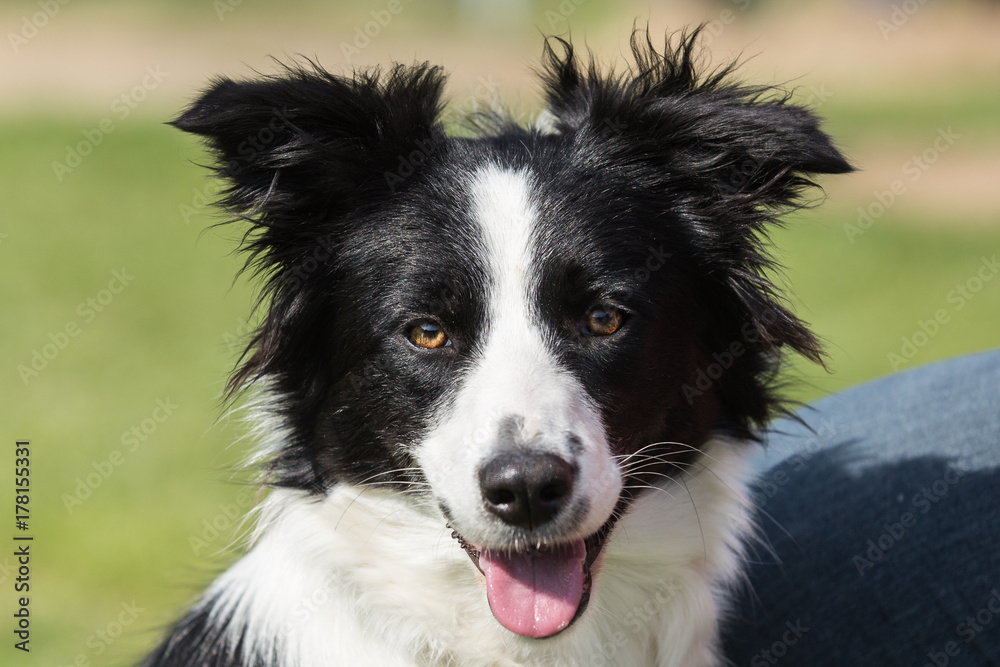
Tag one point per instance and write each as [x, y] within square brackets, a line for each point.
[121, 316]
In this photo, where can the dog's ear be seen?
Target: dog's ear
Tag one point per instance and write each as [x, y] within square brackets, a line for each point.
[728, 158]
[725, 137]
[306, 144]
[718, 162]
[300, 151]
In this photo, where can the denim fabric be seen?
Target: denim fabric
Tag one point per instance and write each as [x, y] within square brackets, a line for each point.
[880, 527]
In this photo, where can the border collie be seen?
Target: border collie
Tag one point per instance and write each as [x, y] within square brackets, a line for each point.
[507, 381]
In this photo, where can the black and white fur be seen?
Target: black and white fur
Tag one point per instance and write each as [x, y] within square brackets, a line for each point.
[644, 194]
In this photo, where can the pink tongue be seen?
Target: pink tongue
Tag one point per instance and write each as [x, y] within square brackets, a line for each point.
[535, 594]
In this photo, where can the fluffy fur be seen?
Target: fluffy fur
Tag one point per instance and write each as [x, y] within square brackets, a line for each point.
[605, 343]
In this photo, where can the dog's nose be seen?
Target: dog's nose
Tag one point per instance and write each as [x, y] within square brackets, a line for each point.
[526, 489]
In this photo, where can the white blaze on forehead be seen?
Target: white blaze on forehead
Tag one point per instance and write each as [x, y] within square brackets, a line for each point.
[502, 208]
[515, 374]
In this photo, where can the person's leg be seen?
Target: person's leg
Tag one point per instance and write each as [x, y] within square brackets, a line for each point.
[881, 528]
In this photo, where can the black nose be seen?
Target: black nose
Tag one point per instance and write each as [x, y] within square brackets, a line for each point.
[526, 489]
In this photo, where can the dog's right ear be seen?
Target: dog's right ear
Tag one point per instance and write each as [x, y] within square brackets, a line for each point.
[307, 145]
[301, 151]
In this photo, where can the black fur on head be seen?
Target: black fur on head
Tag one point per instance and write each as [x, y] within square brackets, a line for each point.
[310, 157]
[727, 160]
[303, 153]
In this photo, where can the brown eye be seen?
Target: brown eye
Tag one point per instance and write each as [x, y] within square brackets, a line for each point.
[428, 335]
[604, 321]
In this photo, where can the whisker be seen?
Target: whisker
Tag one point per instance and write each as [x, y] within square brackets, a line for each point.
[349, 506]
[388, 472]
[694, 506]
[714, 474]
[664, 475]
[643, 465]
[396, 481]
[690, 448]
[641, 450]
[650, 486]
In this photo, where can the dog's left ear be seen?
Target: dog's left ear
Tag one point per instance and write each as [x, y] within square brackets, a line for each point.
[727, 139]
[724, 159]
[743, 138]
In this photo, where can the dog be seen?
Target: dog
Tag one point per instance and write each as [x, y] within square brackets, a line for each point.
[506, 383]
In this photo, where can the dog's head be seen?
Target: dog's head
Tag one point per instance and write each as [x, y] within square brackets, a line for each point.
[527, 327]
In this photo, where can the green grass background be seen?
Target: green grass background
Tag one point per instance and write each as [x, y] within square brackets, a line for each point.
[169, 333]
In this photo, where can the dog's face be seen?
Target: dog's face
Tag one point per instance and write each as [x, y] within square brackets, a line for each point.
[516, 327]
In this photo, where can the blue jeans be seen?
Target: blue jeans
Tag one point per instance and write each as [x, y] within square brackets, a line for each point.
[881, 527]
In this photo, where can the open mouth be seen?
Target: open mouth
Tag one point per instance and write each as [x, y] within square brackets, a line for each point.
[539, 592]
